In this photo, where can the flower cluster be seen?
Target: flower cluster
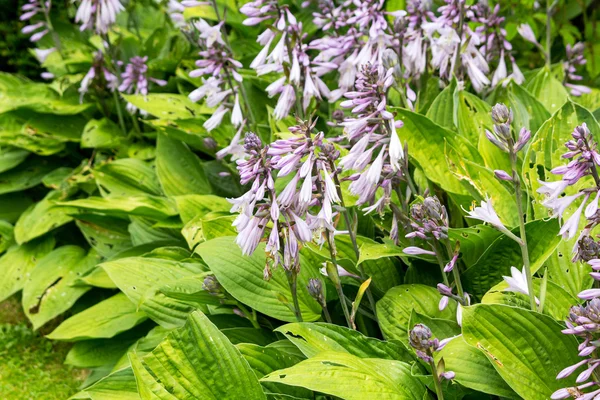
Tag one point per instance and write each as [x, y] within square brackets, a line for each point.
[219, 71]
[32, 10]
[425, 347]
[575, 58]
[372, 130]
[135, 79]
[309, 161]
[98, 74]
[584, 322]
[503, 136]
[301, 82]
[584, 162]
[98, 15]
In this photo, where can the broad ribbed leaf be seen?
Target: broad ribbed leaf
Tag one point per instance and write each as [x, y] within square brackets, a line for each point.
[18, 262]
[526, 348]
[557, 303]
[314, 338]
[142, 278]
[120, 385]
[395, 308]
[26, 175]
[196, 362]
[548, 90]
[10, 157]
[352, 378]
[196, 205]
[143, 206]
[179, 170]
[49, 290]
[242, 277]
[101, 134]
[42, 217]
[473, 369]
[542, 239]
[167, 105]
[127, 177]
[103, 320]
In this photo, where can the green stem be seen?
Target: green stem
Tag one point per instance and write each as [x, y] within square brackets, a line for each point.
[523, 236]
[326, 313]
[455, 272]
[119, 112]
[251, 316]
[336, 280]
[436, 380]
[293, 282]
[548, 31]
[459, 44]
[352, 237]
[438, 256]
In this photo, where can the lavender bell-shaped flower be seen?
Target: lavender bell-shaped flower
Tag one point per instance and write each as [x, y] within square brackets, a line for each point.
[31, 11]
[135, 79]
[98, 15]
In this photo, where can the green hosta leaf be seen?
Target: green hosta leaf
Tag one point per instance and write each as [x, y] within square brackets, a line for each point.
[542, 239]
[264, 360]
[66, 128]
[349, 377]
[473, 369]
[526, 348]
[201, 229]
[143, 206]
[107, 235]
[223, 178]
[198, 205]
[442, 110]
[547, 147]
[395, 308]
[427, 144]
[441, 328]
[10, 157]
[102, 134]
[49, 290]
[103, 320]
[42, 217]
[314, 338]
[143, 230]
[212, 368]
[141, 279]
[474, 241]
[167, 105]
[12, 133]
[120, 385]
[484, 184]
[12, 205]
[26, 175]
[557, 304]
[179, 170]
[242, 277]
[127, 177]
[548, 90]
[18, 93]
[99, 352]
[17, 263]
[7, 237]
[573, 277]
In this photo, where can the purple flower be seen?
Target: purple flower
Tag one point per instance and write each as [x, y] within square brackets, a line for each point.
[31, 10]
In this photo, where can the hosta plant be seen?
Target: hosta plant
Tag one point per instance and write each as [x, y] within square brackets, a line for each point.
[308, 200]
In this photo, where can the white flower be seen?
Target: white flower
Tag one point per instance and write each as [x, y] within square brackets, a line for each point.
[215, 119]
[569, 229]
[374, 171]
[330, 188]
[517, 282]
[560, 204]
[396, 153]
[527, 33]
[209, 33]
[236, 114]
[42, 54]
[486, 213]
[501, 71]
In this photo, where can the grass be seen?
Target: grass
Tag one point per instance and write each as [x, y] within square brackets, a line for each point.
[31, 366]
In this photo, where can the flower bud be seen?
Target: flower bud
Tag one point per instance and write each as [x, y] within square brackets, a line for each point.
[524, 136]
[315, 289]
[502, 175]
[212, 285]
[502, 130]
[501, 114]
